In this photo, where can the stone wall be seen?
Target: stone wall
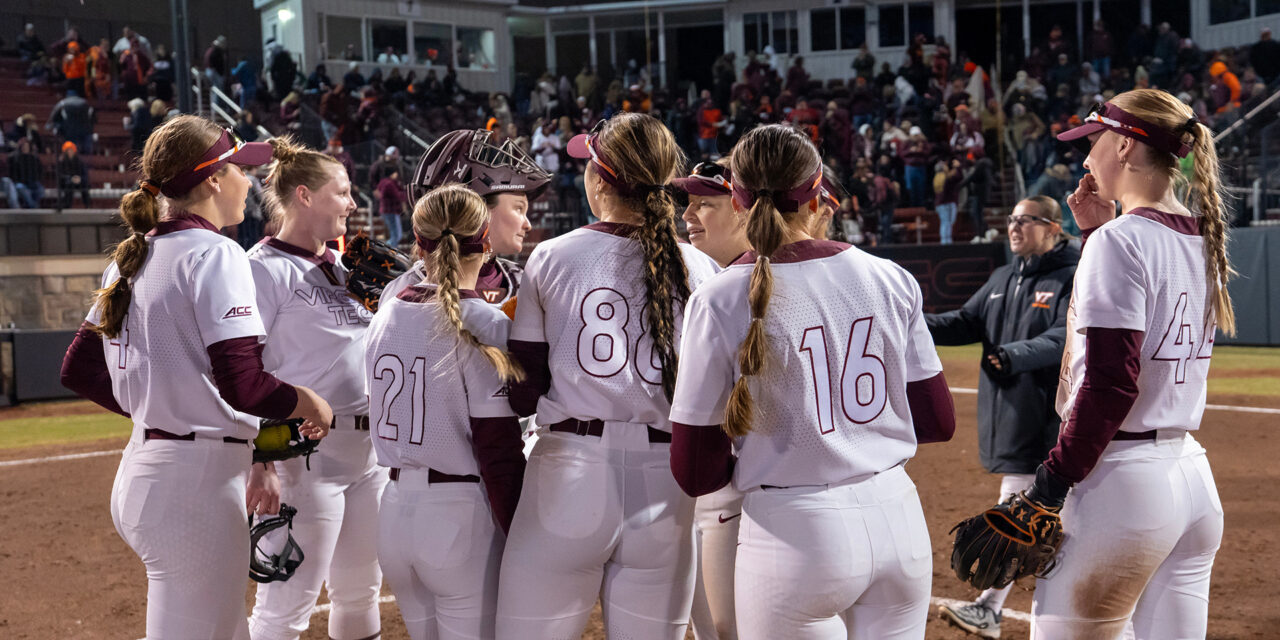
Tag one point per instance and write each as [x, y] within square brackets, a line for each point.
[47, 293]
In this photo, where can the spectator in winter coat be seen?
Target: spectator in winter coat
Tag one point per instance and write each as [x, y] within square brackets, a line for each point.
[1020, 317]
[390, 163]
[710, 121]
[318, 81]
[99, 81]
[216, 64]
[546, 147]
[72, 176]
[864, 64]
[1100, 48]
[1265, 56]
[979, 180]
[246, 75]
[162, 74]
[29, 45]
[26, 172]
[135, 66]
[130, 38]
[140, 124]
[72, 118]
[797, 77]
[335, 112]
[392, 203]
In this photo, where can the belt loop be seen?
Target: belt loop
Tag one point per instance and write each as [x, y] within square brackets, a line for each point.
[583, 427]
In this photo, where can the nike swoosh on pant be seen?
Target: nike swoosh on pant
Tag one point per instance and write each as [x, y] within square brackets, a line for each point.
[724, 519]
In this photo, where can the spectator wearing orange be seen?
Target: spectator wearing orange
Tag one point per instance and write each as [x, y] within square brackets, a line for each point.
[72, 176]
[100, 69]
[710, 121]
[135, 66]
[1225, 89]
[75, 66]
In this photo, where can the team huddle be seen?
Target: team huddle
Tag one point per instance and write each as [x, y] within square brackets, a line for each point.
[718, 430]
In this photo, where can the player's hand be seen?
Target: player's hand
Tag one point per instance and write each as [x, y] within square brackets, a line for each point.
[1090, 210]
[315, 411]
[263, 494]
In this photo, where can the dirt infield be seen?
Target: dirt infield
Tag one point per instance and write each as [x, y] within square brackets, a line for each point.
[69, 575]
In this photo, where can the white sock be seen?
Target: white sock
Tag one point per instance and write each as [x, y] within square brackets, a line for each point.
[993, 599]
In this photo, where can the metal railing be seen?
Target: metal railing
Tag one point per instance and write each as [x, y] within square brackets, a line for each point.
[220, 105]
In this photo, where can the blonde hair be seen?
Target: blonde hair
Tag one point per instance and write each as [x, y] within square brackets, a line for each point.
[1163, 109]
[171, 149]
[463, 213]
[295, 166]
[777, 158]
[646, 157]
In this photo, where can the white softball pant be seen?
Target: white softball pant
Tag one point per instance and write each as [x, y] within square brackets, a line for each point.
[337, 529]
[440, 552]
[716, 519]
[1141, 533]
[834, 561]
[599, 516]
[180, 506]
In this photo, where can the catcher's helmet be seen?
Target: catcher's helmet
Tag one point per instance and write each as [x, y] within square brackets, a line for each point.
[469, 158]
[278, 566]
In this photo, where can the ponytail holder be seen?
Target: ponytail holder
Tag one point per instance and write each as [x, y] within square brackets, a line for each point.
[764, 193]
[646, 189]
[446, 232]
[140, 235]
[466, 246]
[151, 187]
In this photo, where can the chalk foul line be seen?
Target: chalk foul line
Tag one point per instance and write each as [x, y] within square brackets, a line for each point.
[964, 391]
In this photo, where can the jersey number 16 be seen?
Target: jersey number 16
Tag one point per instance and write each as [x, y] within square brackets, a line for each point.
[862, 379]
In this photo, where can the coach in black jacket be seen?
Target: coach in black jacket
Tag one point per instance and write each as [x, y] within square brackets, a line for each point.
[1020, 317]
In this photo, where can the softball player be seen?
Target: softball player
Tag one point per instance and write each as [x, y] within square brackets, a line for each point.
[182, 357]
[1143, 521]
[315, 335]
[719, 231]
[437, 384]
[814, 357]
[596, 330]
[508, 180]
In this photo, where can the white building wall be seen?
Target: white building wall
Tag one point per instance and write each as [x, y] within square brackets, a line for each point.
[1231, 34]
[306, 32]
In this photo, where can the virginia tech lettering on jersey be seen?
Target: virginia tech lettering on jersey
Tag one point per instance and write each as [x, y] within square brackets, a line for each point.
[1042, 300]
[238, 312]
[337, 302]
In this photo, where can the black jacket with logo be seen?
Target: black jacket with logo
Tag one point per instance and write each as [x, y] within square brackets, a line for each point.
[1020, 314]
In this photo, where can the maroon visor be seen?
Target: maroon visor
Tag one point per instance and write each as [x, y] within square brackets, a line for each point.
[785, 201]
[1112, 118]
[707, 179]
[228, 148]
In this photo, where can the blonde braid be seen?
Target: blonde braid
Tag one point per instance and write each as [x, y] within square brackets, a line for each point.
[1213, 227]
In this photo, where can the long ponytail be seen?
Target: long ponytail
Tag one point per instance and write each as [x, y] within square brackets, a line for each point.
[175, 145]
[457, 210]
[1213, 228]
[765, 228]
[666, 281]
[140, 211]
[769, 160]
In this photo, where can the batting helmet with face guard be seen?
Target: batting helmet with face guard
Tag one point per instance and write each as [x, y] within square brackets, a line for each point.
[468, 157]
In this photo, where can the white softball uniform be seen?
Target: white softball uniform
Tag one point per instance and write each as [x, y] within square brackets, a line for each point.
[832, 532]
[1142, 529]
[599, 515]
[180, 504]
[716, 518]
[438, 543]
[315, 338]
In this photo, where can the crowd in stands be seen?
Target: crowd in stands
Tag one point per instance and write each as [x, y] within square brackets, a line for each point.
[933, 132]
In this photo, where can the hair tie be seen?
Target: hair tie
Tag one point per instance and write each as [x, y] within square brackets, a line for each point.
[764, 193]
[150, 186]
[140, 235]
[446, 232]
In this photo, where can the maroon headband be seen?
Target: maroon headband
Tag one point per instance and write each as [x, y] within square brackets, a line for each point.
[225, 149]
[1112, 118]
[789, 201]
[469, 245]
[586, 146]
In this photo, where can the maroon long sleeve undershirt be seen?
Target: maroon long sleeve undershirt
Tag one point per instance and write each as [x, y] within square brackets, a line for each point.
[499, 452]
[702, 458]
[1112, 362]
[242, 382]
[84, 370]
[532, 357]
[933, 413]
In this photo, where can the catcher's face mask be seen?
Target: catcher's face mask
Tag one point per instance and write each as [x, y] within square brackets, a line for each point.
[266, 566]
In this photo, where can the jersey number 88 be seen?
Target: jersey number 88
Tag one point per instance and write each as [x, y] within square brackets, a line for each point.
[603, 342]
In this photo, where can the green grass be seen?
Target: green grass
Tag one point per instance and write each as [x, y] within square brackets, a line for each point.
[30, 432]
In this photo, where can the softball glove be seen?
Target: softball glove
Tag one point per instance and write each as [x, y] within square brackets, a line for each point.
[371, 265]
